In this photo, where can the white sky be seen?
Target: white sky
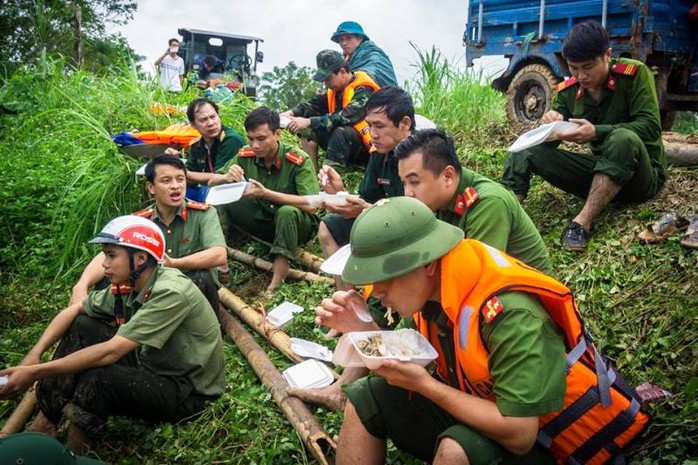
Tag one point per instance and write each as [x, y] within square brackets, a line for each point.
[295, 30]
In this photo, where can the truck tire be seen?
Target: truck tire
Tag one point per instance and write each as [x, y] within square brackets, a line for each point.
[530, 94]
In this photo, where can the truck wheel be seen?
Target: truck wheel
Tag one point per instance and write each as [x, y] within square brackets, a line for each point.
[530, 94]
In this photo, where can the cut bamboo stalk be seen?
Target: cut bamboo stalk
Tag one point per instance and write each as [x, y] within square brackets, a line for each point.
[276, 337]
[318, 442]
[267, 266]
[21, 414]
[309, 260]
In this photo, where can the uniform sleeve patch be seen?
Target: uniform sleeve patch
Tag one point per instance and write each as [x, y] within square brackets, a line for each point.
[145, 213]
[569, 82]
[491, 309]
[197, 205]
[466, 200]
[295, 158]
[246, 153]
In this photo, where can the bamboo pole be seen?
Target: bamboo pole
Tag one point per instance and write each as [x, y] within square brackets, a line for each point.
[309, 260]
[21, 413]
[267, 266]
[276, 337]
[318, 442]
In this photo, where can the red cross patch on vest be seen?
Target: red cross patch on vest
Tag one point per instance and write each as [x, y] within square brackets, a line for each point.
[294, 158]
[491, 309]
[246, 153]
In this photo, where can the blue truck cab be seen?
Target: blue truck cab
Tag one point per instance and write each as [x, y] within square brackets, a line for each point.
[529, 34]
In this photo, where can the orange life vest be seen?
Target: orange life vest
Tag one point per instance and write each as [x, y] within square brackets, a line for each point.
[179, 134]
[361, 80]
[600, 415]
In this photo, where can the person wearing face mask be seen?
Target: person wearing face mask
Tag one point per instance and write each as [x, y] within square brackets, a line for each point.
[171, 68]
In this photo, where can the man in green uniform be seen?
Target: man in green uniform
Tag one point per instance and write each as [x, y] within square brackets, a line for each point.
[363, 54]
[273, 207]
[196, 244]
[615, 105]
[148, 347]
[334, 120]
[390, 116]
[483, 209]
[217, 146]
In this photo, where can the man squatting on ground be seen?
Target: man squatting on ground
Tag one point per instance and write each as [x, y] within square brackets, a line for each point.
[615, 104]
[510, 345]
[195, 241]
[273, 208]
[149, 346]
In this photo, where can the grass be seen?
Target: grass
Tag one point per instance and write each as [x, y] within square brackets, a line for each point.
[62, 178]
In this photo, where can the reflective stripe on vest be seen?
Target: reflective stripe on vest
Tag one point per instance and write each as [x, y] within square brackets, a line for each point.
[599, 416]
[361, 80]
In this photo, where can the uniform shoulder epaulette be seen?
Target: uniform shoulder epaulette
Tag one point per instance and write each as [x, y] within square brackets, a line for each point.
[567, 83]
[466, 200]
[197, 205]
[628, 69]
[246, 153]
[145, 213]
[491, 309]
[294, 158]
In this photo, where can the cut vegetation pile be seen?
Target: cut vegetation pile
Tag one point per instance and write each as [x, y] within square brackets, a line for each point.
[63, 179]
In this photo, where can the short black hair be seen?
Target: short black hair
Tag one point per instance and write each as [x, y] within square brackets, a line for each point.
[437, 149]
[163, 160]
[194, 106]
[585, 41]
[394, 101]
[169, 42]
[260, 116]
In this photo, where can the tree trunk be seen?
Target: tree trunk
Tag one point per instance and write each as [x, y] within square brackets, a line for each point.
[267, 266]
[318, 442]
[311, 261]
[77, 35]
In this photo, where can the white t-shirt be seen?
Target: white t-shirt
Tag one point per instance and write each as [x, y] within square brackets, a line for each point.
[170, 70]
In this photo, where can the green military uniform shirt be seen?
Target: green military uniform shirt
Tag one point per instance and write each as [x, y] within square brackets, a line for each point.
[317, 110]
[195, 227]
[628, 100]
[204, 159]
[488, 212]
[172, 321]
[381, 179]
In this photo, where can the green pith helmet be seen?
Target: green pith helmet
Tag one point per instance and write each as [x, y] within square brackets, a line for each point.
[394, 237]
[328, 61]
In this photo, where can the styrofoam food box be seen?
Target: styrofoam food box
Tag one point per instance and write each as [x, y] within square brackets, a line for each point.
[308, 374]
[347, 352]
[281, 315]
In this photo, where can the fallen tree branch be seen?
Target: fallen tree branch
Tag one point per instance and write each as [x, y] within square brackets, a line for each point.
[318, 442]
[267, 266]
[21, 413]
[681, 150]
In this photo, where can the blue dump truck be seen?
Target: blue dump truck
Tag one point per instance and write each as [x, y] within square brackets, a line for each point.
[529, 34]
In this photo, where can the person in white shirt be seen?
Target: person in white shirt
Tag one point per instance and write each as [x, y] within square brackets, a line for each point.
[171, 68]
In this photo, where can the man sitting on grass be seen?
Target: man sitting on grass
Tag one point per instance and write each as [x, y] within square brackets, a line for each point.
[149, 346]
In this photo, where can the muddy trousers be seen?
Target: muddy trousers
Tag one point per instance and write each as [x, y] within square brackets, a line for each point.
[88, 398]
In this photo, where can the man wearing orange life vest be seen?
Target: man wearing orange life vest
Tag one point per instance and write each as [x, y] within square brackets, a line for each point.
[334, 120]
[513, 354]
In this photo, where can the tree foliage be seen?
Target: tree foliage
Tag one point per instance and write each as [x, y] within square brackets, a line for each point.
[31, 29]
[284, 88]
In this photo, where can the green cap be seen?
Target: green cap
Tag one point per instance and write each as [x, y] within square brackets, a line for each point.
[396, 236]
[328, 61]
[38, 449]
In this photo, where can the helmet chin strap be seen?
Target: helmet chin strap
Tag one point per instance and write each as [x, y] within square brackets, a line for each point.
[136, 273]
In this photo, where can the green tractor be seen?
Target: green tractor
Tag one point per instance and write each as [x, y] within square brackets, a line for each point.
[218, 57]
